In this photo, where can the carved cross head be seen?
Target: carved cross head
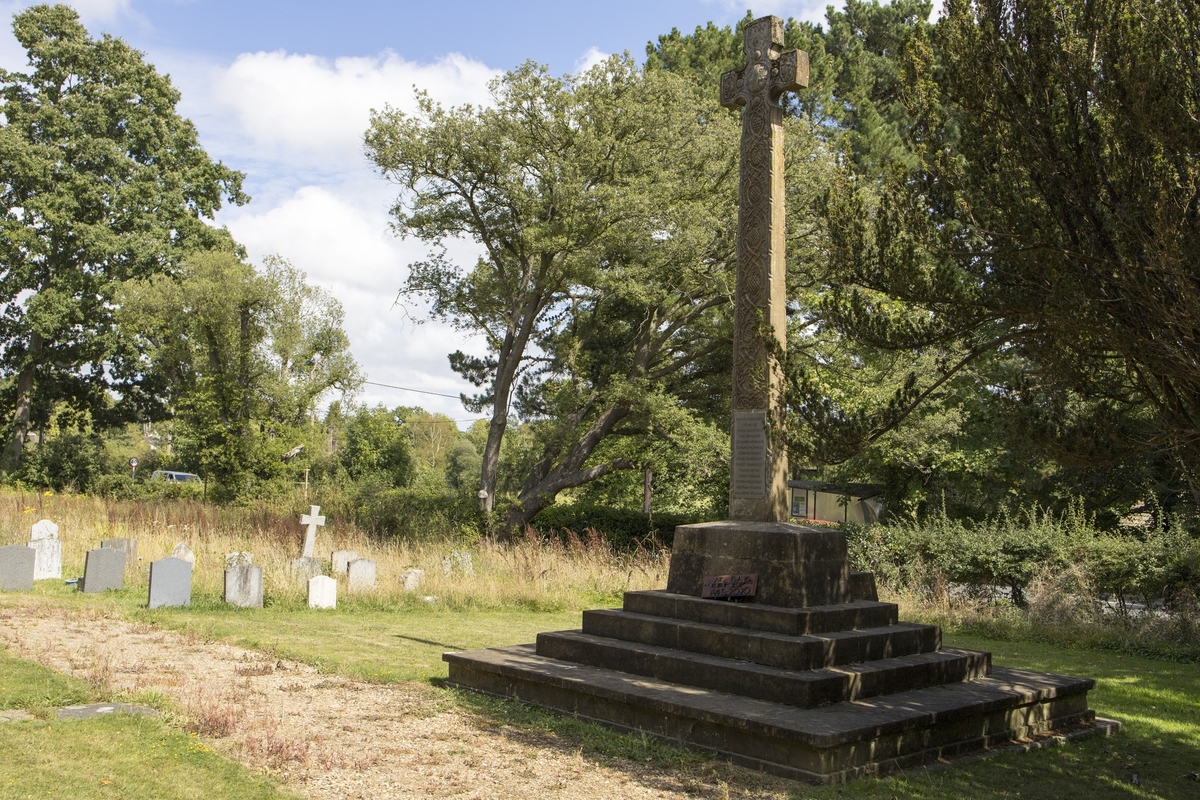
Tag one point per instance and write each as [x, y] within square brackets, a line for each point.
[768, 72]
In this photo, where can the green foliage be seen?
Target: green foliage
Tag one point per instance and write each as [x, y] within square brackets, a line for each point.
[1042, 242]
[68, 460]
[1010, 551]
[415, 516]
[240, 359]
[377, 448]
[624, 529]
[103, 182]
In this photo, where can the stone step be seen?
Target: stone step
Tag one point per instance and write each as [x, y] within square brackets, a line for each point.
[770, 649]
[773, 619]
[827, 744]
[805, 689]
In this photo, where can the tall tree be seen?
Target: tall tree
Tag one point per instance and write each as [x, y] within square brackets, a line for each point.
[239, 359]
[603, 207]
[100, 181]
[1053, 215]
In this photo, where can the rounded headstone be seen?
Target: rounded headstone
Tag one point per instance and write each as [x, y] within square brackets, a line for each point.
[322, 592]
[43, 529]
[184, 553]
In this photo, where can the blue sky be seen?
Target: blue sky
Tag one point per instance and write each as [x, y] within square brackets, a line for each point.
[282, 91]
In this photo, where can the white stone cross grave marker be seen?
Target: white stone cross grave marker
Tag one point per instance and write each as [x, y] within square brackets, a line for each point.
[312, 520]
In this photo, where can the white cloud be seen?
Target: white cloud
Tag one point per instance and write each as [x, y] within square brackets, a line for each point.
[591, 58]
[305, 108]
[338, 235]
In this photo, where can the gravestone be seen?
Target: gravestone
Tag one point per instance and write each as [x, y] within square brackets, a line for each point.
[184, 553]
[103, 569]
[126, 546]
[322, 592]
[244, 586]
[341, 560]
[458, 561]
[47, 558]
[170, 583]
[764, 646]
[307, 568]
[16, 568]
[361, 574]
[43, 529]
[411, 579]
[312, 520]
[235, 559]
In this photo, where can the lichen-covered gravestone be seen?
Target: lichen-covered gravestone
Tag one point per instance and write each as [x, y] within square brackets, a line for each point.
[322, 592]
[361, 574]
[47, 548]
[16, 568]
[170, 583]
[341, 560]
[126, 546]
[103, 569]
[183, 552]
[411, 578]
[244, 586]
[240, 557]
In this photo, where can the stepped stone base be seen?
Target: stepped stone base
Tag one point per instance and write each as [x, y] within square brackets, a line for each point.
[815, 691]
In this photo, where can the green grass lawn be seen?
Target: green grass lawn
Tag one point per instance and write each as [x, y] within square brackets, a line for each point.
[1158, 701]
[117, 756]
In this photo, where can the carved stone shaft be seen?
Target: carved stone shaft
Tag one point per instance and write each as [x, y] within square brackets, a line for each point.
[758, 489]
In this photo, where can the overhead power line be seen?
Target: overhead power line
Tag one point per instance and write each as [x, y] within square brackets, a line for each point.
[407, 389]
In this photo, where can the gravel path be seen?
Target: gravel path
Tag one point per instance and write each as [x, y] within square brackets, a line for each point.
[331, 737]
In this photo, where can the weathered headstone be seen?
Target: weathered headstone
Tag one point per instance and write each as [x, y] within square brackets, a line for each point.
[458, 561]
[758, 486]
[322, 592]
[126, 546]
[244, 586]
[16, 568]
[184, 553]
[312, 520]
[103, 569]
[47, 558]
[361, 574]
[170, 583]
[238, 558]
[411, 578]
[307, 568]
[341, 560]
[43, 529]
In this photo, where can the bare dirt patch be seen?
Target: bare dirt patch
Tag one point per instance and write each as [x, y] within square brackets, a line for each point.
[332, 737]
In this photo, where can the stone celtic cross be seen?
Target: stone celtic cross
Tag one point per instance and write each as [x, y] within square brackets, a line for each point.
[312, 520]
[758, 489]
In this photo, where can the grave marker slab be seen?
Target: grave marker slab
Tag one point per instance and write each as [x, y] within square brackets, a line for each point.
[341, 560]
[307, 568]
[411, 578]
[322, 592]
[170, 583]
[16, 568]
[103, 569]
[244, 586]
[361, 574]
[126, 546]
[458, 561]
[43, 529]
[184, 553]
[47, 558]
[238, 558]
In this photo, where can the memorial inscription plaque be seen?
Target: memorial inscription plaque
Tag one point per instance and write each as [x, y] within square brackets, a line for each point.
[750, 455]
[729, 587]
